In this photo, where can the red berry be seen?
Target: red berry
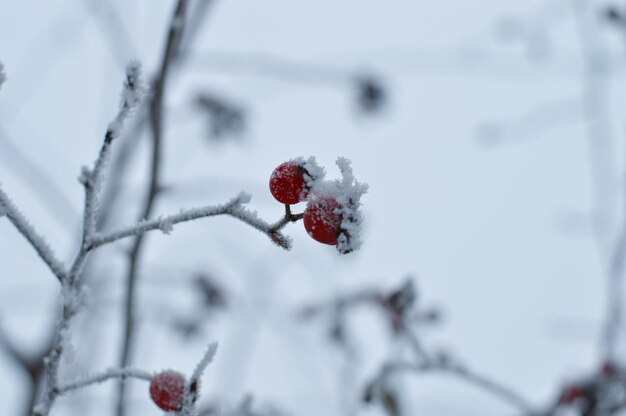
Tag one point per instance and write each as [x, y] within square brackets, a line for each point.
[287, 183]
[167, 389]
[608, 369]
[571, 394]
[322, 219]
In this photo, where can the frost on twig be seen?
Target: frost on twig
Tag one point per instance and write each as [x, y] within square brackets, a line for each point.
[347, 191]
[104, 376]
[132, 93]
[192, 386]
[131, 96]
[235, 208]
[350, 193]
[8, 208]
[205, 361]
[403, 311]
[72, 289]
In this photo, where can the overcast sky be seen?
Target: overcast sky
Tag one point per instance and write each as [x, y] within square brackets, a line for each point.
[478, 167]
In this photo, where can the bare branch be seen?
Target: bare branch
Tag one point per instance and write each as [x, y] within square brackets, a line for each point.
[176, 28]
[104, 376]
[233, 208]
[478, 380]
[70, 281]
[29, 233]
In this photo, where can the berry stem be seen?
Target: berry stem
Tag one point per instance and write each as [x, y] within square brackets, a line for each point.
[289, 217]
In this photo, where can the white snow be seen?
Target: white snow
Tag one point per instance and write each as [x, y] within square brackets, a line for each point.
[348, 192]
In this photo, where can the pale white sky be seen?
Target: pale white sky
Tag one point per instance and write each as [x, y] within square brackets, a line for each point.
[498, 236]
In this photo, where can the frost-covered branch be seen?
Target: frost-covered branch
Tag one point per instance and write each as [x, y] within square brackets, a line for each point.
[204, 362]
[8, 209]
[233, 208]
[104, 376]
[192, 386]
[398, 306]
[175, 31]
[427, 362]
[480, 381]
[70, 280]
[289, 217]
[92, 179]
[187, 401]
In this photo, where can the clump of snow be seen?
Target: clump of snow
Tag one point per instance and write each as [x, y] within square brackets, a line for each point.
[350, 193]
[3, 77]
[313, 173]
[131, 96]
[242, 198]
[347, 191]
[166, 225]
[69, 351]
[133, 90]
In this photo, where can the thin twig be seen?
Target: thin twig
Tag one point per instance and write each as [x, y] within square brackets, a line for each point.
[289, 217]
[603, 171]
[497, 389]
[104, 376]
[176, 28]
[71, 285]
[234, 208]
[28, 231]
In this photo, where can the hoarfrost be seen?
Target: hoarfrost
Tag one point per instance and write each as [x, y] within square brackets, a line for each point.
[349, 196]
[133, 88]
[131, 96]
[347, 191]
[310, 171]
[193, 384]
[205, 361]
[242, 198]
[314, 173]
[166, 225]
[69, 351]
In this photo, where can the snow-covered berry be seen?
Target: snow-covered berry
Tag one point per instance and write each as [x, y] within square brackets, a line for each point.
[167, 389]
[322, 219]
[288, 184]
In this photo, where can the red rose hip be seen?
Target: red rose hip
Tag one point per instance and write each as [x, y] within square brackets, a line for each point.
[322, 219]
[287, 183]
[571, 394]
[167, 389]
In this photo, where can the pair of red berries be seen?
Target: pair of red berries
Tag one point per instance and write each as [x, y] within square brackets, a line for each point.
[292, 183]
